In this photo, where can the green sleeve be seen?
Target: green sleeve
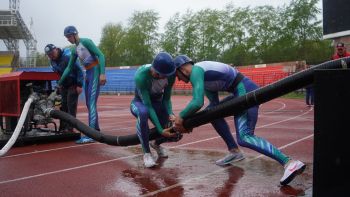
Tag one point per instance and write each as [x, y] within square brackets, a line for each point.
[167, 95]
[69, 68]
[197, 81]
[95, 51]
[142, 83]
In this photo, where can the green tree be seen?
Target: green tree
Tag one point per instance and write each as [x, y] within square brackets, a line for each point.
[171, 38]
[235, 48]
[189, 35]
[141, 40]
[263, 33]
[210, 34]
[240, 36]
[42, 60]
[111, 44]
[301, 32]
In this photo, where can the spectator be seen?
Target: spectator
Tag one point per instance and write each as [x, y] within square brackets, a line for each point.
[309, 92]
[309, 96]
[340, 51]
[72, 86]
[93, 61]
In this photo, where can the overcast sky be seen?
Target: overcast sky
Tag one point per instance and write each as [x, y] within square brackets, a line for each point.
[89, 16]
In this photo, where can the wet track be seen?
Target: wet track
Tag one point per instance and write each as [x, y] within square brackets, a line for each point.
[67, 169]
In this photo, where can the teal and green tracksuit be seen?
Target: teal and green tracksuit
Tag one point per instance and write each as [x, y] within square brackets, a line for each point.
[93, 61]
[209, 78]
[152, 101]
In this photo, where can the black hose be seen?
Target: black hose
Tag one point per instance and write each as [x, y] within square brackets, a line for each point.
[262, 95]
[126, 140]
[228, 108]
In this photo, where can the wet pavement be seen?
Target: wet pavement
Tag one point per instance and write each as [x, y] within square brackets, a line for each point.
[67, 169]
[193, 173]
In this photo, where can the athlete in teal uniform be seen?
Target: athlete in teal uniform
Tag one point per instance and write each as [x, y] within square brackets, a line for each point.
[92, 59]
[209, 78]
[152, 101]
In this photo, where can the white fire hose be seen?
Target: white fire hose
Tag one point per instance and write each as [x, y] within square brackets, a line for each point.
[18, 128]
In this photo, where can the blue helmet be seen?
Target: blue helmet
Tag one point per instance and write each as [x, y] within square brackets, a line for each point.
[69, 30]
[181, 60]
[48, 48]
[163, 64]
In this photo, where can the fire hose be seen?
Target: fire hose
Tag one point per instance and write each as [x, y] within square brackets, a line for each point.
[222, 110]
[19, 126]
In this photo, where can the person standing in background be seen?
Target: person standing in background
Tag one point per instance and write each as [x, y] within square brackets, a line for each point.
[309, 92]
[93, 61]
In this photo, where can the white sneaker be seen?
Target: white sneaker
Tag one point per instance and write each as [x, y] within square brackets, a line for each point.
[229, 158]
[294, 168]
[148, 160]
[160, 150]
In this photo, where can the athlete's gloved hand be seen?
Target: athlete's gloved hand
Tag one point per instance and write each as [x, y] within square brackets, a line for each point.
[58, 89]
[172, 118]
[103, 79]
[168, 132]
[79, 89]
[179, 126]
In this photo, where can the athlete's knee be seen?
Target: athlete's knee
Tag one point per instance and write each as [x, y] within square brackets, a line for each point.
[143, 113]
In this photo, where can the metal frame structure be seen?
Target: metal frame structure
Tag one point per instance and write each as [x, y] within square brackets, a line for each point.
[14, 29]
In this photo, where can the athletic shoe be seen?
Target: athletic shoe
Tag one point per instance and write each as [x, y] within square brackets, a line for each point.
[148, 160]
[230, 157]
[294, 168]
[160, 150]
[84, 140]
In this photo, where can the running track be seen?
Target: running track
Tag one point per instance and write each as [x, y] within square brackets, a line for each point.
[66, 169]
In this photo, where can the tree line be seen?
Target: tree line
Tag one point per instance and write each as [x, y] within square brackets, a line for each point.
[235, 35]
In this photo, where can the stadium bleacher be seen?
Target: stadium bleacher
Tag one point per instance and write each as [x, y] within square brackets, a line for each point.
[262, 76]
[6, 59]
[121, 81]
[265, 75]
[118, 80]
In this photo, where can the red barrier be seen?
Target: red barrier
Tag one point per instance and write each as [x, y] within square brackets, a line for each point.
[261, 76]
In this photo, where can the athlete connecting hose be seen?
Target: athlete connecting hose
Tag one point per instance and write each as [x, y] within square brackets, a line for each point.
[263, 94]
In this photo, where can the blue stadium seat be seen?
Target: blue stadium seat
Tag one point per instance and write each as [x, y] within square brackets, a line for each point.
[118, 80]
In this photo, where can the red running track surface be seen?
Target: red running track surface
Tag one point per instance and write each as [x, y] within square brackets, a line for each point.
[68, 169]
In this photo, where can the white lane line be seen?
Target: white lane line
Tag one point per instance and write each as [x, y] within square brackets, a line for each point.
[98, 163]
[262, 126]
[67, 169]
[279, 109]
[47, 150]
